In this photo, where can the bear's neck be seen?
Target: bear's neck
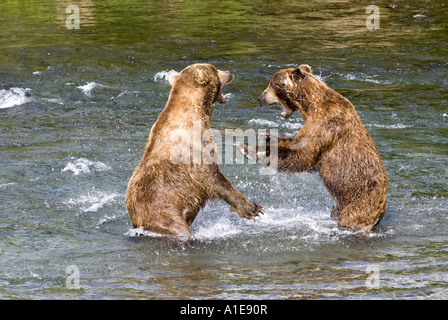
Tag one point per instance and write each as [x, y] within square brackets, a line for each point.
[190, 105]
[326, 99]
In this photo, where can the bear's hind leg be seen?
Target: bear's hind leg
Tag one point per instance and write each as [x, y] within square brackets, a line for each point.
[224, 190]
[181, 230]
[168, 226]
[360, 215]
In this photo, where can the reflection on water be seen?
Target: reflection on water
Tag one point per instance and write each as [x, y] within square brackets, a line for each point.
[76, 106]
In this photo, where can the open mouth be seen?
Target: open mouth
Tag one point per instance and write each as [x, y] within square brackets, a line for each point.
[286, 112]
[221, 97]
[225, 78]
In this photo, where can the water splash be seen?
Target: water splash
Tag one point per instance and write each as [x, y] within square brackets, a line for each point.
[85, 166]
[14, 97]
[92, 202]
[135, 232]
[263, 122]
[88, 87]
[389, 126]
[164, 75]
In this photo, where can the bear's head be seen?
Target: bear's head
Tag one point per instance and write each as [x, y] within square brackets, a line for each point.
[291, 88]
[204, 78]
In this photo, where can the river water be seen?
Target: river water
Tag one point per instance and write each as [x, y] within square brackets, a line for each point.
[76, 107]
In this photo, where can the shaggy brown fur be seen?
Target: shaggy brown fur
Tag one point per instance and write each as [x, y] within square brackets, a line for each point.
[165, 197]
[332, 142]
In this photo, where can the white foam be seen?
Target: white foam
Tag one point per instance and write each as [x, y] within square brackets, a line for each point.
[54, 100]
[292, 125]
[164, 75]
[92, 202]
[263, 122]
[389, 126]
[296, 223]
[14, 97]
[280, 217]
[35, 275]
[105, 219]
[282, 66]
[88, 87]
[320, 77]
[364, 78]
[84, 166]
[210, 231]
[135, 232]
[272, 124]
[316, 224]
[218, 230]
[4, 185]
[124, 93]
[229, 96]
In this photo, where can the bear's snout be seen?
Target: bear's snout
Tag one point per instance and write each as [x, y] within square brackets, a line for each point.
[262, 100]
[268, 97]
[225, 77]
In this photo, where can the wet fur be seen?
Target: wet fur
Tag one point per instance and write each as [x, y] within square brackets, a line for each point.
[165, 197]
[332, 142]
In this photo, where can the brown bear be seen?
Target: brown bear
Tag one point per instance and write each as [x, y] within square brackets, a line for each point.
[166, 190]
[332, 142]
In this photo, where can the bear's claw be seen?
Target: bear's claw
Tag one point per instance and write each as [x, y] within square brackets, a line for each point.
[266, 136]
[249, 152]
[250, 210]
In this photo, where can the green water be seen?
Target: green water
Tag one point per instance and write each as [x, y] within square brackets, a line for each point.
[76, 107]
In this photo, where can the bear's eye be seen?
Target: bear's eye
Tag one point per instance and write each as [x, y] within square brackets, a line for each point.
[282, 91]
[283, 87]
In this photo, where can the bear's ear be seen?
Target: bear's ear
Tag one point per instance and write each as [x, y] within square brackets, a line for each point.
[173, 78]
[305, 68]
[286, 80]
[298, 74]
[201, 77]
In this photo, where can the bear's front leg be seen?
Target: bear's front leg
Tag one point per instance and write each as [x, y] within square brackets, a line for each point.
[247, 209]
[292, 157]
[224, 190]
[260, 154]
[269, 139]
[250, 152]
[268, 145]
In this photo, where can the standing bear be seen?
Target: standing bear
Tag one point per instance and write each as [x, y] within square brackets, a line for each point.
[173, 180]
[332, 142]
